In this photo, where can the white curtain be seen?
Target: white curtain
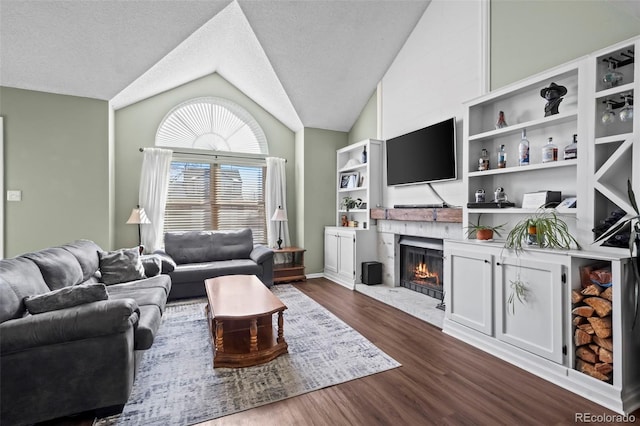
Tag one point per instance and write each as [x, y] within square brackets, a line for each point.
[276, 195]
[154, 183]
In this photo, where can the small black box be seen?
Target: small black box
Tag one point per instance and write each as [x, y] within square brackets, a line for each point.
[371, 273]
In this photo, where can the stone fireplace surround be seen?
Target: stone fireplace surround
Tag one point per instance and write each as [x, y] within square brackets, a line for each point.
[389, 233]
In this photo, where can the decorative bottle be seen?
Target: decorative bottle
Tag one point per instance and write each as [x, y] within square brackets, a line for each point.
[501, 121]
[523, 149]
[549, 152]
[502, 157]
[483, 161]
[364, 155]
[571, 150]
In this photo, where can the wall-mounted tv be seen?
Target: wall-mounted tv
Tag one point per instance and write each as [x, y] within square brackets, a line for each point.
[422, 156]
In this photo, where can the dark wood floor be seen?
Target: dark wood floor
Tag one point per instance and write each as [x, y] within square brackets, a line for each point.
[442, 380]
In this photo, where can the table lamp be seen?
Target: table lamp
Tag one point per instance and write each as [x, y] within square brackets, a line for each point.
[279, 216]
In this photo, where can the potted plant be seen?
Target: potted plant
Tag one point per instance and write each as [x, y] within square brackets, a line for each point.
[544, 229]
[350, 203]
[483, 232]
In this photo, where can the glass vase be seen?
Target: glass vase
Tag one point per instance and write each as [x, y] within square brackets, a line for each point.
[611, 77]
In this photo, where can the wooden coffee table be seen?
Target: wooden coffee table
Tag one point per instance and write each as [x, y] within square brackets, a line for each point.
[239, 314]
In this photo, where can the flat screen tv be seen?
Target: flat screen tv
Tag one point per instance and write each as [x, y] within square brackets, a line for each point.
[423, 156]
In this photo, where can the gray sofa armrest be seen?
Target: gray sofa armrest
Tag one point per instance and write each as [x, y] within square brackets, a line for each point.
[261, 254]
[168, 264]
[102, 318]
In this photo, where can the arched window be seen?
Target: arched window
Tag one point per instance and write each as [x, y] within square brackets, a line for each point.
[217, 191]
[213, 124]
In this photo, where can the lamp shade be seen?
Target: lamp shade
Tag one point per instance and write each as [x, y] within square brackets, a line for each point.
[138, 216]
[279, 215]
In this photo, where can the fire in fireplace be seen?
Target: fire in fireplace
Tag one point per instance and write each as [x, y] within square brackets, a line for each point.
[422, 273]
[421, 264]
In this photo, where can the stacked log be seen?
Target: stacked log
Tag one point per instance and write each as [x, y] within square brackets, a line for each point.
[592, 331]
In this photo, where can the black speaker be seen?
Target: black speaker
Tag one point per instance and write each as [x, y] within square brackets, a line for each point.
[371, 273]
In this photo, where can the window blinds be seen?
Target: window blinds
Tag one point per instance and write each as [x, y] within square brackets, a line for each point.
[216, 196]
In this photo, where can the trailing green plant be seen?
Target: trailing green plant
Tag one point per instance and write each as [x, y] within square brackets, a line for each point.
[473, 228]
[634, 243]
[543, 229]
[518, 291]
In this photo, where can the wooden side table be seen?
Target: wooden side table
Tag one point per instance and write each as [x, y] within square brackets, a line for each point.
[290, 271]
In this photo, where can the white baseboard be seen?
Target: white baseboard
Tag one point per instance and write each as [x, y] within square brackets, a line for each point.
[316, 275]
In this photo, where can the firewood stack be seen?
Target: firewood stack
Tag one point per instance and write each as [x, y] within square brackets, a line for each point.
[592, 337]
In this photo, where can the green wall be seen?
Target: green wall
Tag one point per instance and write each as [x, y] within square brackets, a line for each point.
[56, 153]
[299, 187]
[318, 189]
[530, 36]
[136, 126]
[366, 126]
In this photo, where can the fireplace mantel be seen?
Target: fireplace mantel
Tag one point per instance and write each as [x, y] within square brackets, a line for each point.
[450, 215]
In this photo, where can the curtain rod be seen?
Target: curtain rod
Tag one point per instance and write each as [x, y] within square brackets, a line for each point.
[214, 155]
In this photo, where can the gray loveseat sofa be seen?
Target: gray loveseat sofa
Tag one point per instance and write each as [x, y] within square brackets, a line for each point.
[71, 359]
[199, 255]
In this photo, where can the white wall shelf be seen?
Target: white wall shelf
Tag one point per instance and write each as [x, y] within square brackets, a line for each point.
[613, 91]
[613, 138]
[521, 211]
[355, 167]
[529, 125]
[524, 169]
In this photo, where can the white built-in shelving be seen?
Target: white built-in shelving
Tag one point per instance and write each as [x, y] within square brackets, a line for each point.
[608, 156]
[346, 247]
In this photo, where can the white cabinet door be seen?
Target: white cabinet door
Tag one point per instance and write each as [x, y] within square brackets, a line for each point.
[469, 298]
[346, 255]
[330, 251]
[535, 324]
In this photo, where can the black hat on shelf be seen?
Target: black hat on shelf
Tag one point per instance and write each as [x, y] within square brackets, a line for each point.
[560, 89]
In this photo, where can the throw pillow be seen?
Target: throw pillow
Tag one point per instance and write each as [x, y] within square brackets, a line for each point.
[152, 265]
[121, 266]
[66, 297]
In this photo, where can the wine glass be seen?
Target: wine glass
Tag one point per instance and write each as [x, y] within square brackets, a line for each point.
[626, 112]
[609, 116]
[611, 78]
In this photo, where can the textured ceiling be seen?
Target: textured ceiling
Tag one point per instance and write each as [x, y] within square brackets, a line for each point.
[310, 63]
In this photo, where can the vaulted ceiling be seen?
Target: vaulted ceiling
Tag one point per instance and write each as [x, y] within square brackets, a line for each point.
[310, 63]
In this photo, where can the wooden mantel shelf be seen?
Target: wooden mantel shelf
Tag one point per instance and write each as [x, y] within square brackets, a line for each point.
[451, 215]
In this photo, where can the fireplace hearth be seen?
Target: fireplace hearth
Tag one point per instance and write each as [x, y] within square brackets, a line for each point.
[421, 266]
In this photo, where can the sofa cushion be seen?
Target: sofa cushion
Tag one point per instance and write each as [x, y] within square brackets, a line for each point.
[59, 268]
[19, 278]
[202, 271]
[66, 297]
[208, 246]
[121, 266]
[159, 281]
[86, 252]
[143, 296]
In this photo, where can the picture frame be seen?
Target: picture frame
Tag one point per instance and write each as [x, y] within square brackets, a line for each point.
[349, 180]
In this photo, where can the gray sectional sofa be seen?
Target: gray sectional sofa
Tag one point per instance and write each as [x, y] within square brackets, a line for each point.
[79, 356]
[199, 255]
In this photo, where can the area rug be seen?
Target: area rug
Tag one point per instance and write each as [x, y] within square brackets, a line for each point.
[177, 385]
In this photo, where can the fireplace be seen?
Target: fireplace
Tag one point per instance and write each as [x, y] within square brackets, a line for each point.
[421, 266]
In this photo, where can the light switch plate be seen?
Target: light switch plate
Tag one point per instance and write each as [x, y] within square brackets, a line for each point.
[14, 195]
